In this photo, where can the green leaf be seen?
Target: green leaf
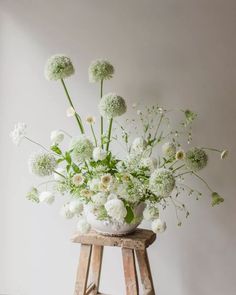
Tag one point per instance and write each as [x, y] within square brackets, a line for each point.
[56, 149]
[216, 199]
[130, 215]
[75, 168]
[68, 158]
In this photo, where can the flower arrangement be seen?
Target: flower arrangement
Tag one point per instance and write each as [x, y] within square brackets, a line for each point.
[94, 179]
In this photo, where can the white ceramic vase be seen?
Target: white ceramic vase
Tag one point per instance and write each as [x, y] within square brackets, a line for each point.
[115, 228]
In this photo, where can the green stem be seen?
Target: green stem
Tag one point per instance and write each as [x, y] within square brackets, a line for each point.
[59, 173]
[37, 144]
[183, 173]
[78, 119]
[211, 149]
[109, 134]
[94, 136]
[207, 185]
[101, 94]
[178, 168]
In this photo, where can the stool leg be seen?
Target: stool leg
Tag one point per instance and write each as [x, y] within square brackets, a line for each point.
[131, 280]
[145, 272]
[96, 263]
[83, 270]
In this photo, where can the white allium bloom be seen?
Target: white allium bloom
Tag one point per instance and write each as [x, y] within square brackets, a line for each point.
[158, 226]
[112, 105]
[78, 179]
[99, 154]
[76, 207]
[83, 226]
[82, 148]
[99, 70]
[106, 179]
[196, 159]
[56, 136]
[138, 145]
[169, 149]
[57, 176]
[70, 112]
[116, 209]
[150, 163]
[162, 182]
[46, 197]
[180, 155]
[58, 67]
[150, 213]
[224, 154]
[90, 119]
[18, 133]
[66, 212]
[94, 184]
[99, 199]
[42, 164]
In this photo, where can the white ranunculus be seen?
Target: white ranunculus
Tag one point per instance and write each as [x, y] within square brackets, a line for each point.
[46, 197]
[83, 226]
[99, 154]
[158, 226]
[99, 199]
[150, 213]
[57, 136]
[66, 212]
[57, 176]
[76, 206]
[116, 209]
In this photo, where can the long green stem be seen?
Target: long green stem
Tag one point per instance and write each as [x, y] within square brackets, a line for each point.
[207, 185]
[78, 119]
[211, 149]
[94, 136]
[59, 173]
[178, 168]
[109, 134]
[183, 173]
[101, 94]
[37, 144]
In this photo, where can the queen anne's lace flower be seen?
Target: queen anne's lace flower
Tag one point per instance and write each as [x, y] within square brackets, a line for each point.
[57, 136]
[196, 159]
[169, 149]
[116, 209]
[46, 197]
[158, 226]
[99, 70]
[83, 226]
[42, 164]
[112, 105]
[58, 67]
[162, 182]
[82, 148]
[18, 133]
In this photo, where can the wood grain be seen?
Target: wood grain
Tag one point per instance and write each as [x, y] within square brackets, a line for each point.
[131, 280]
[96, 263]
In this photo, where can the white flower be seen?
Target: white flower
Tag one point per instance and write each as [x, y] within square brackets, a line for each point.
[138, 145]
[76, 207]
[100, 70]
[82, 148]
[70, 112]
[90, 119]
[196, 159]
[158, 226]
[99, 199]
[18, 133]
[112, 196]
[116, 209]
[224, 154]
[57, 176]
[106, 179]
[78, 179]
[150, 213]
[86, 193]
[57, 136]
[46, 197]
[94, 184]
[42, 164]
[162, 182]
[99, 154]
[169, 149]
[83, 226]
[58, 67]
[150, 163]
[180, 155]
[66, 212]
[112, 105]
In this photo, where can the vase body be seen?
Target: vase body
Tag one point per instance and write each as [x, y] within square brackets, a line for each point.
[115, 228]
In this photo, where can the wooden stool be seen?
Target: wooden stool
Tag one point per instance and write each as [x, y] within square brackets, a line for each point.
[91, 259]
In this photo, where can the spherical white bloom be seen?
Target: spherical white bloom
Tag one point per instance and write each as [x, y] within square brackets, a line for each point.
[169, 149]
[112, 105]
[83, 226]
[150, 163]
[116, 209]
[224, 154]
[150, 213]
[106, 179]
[162, 182]
[180, 155]
[99, 154]
[158, 226]
[138, 145]
[57, 136]
[82, 148]
[78, 179]
[70, 112]
[99, 199]
[99, 70]
[66, 212]
[90, 119]
[58, 176]
[112, 196]
[94, 184]
[196, 159]
[42, 164]
[46, 197]
[58, 67]
[18, 133]
[76, 206]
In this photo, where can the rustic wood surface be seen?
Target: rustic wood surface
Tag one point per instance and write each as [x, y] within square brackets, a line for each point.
[95, 264]
[139, 240]
[131, 281]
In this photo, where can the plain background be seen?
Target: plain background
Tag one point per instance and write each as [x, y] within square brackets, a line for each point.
[178, 53]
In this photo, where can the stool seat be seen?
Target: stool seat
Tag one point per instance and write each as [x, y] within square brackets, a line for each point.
[132, 245]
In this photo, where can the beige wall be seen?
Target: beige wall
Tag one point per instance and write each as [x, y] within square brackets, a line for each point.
[176, 53]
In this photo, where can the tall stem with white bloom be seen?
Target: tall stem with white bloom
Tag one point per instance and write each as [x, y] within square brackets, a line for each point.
[109, 134]
[101, 94]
